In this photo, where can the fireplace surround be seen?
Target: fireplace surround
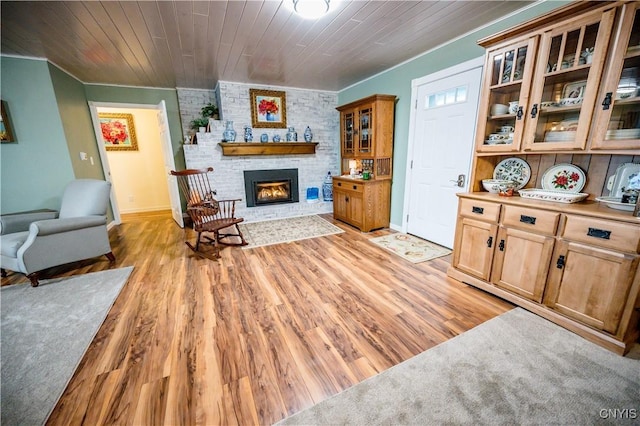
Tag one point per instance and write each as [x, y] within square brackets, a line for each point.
[268, 187]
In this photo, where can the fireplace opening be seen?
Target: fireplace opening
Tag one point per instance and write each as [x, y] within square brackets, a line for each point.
[277, 186]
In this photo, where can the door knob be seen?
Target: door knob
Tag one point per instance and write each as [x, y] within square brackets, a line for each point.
[460, 181]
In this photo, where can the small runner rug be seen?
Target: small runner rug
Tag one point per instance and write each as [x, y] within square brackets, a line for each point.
[411, 248]
[286, 230]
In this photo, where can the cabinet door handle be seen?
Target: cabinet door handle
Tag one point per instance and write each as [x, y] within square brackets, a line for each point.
[477, 210]
[346, 199]
[339, 183]
[528, 219]
[520, 113]
[560, 262]
[501, 245]
[534, 111]
[607, 101]
[489, 242]
[355, 187]
[599, 233]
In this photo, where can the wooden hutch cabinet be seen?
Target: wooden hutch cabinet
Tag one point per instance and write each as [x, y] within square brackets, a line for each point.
[366, 137]
[568, 83]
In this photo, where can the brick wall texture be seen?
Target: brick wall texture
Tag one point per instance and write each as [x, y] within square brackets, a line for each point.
[312, 108]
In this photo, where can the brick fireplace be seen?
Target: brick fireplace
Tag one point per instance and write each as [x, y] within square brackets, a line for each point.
[304, 108]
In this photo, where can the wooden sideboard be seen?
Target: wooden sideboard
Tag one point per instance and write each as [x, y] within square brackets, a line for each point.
[566, 73]
[574, 264]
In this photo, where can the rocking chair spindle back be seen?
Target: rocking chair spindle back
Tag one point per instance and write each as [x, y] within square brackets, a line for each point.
[207, 213]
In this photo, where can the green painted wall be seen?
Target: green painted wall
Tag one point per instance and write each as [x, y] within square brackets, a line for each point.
[35, 169]
[397, 81]
[77, 124]
[148, 96]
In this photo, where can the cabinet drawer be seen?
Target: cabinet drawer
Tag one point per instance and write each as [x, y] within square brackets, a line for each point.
[540, 221]
[349, 186]
[605, 233]
[479, 210]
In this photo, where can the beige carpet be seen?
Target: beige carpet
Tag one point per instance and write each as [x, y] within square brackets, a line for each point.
[286, 230]
[516, 369]
[411, 248]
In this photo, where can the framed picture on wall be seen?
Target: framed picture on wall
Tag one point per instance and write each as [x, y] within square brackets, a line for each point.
[118, 132]
[6, 133]
[268, 108]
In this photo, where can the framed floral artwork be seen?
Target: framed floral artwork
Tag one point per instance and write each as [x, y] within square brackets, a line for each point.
[268, 108]
[6, 134]
[118, 132]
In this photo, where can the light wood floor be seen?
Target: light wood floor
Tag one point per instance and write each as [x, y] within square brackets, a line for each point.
[258, 335]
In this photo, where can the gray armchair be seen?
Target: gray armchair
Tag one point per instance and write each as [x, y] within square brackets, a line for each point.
[31, 242]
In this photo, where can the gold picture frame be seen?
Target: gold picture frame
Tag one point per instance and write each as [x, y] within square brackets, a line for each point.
[6, 133]
[268, 108]
[118, 132]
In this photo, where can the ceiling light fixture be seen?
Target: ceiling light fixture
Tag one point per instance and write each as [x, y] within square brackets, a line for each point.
[311, 9]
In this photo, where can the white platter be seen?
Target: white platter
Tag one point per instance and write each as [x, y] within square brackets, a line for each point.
[627, 176]
[555, 196]
[514, 169]
[614, 203]
[559, 136]
[498, 142]
[623, 134]
[564, 177]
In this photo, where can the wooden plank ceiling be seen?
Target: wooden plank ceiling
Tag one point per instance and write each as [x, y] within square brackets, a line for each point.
[194, 44]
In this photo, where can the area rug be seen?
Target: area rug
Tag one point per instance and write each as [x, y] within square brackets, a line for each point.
[45, 333]
[411, 248]
[286, 230]
[517, 368]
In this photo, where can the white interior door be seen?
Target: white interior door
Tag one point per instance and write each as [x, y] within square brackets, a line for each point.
[169, 164]
[443, 131]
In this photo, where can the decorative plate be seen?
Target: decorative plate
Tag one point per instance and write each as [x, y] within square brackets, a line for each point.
[564, 177]
[627, 177]
[514, 169]
[616, 203]
[574, 90]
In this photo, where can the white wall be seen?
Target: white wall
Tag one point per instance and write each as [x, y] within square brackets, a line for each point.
[304, 108]
[138, 176]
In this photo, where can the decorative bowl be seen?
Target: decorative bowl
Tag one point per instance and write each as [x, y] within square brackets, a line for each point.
[499, 109]
[494, 185]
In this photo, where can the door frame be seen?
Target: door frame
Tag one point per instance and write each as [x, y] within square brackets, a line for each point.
[415, 83]
[104, 159]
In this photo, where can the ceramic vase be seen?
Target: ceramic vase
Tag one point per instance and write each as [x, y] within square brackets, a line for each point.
[292, 135]
[229, 135]
[327, 188]
[248, 134]
[308, 136]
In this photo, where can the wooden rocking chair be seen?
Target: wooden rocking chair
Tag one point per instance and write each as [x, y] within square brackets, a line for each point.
[207, 213]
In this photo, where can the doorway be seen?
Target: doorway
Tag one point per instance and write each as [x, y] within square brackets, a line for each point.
[138, 176]
[441, 141]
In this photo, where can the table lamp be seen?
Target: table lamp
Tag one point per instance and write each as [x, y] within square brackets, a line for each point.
[352, 165]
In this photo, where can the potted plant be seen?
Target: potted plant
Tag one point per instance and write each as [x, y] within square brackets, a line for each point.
[199, 124]
[210, 111]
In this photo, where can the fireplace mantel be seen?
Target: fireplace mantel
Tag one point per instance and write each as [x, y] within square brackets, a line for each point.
[267, 148]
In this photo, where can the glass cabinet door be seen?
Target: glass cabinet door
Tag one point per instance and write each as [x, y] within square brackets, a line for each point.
[364, 135]
[565, 83]
[348, 132]
[618, 111]
[507, 82]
